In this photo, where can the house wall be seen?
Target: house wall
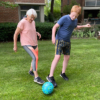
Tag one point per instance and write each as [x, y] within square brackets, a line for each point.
[12, 15]
[31, 1]
[8, 14]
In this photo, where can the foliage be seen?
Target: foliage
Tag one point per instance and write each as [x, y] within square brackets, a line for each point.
[84, 33]
[56, 14]
[47, 8]
[50, 17]
[90, 15]
[67, 8]
[45, 29]
[98, 15]
[7, 30]
[8, 4]
[83, 72]
[91, 34]
[56, 10]
[96, 28]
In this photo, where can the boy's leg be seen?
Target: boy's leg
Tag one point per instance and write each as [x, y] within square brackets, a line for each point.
[50, 77]
[54, 64]
[58, 51]
[66, 52]
[65, 63]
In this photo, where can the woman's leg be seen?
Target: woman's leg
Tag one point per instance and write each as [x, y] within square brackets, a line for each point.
[30, 50]
[34, 54]
[34, 64]
[36, 50]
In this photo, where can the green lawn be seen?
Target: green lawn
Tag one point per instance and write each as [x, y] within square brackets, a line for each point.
[83, 72]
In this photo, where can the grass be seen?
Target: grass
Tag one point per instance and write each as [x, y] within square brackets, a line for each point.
[83, 72]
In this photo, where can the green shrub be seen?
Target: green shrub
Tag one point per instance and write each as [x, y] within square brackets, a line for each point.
[57, 14]
[45, 29]
[50, 17]
[84, 32]
[7, 30]
[67, 8]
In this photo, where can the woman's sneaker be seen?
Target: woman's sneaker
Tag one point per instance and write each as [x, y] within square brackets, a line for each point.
[38, 80]
[31, 73]
[52, 80]
[63, 75]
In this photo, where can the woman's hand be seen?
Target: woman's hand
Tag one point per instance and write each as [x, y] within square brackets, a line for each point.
[17, 32]
[39, 35]
[15, 48]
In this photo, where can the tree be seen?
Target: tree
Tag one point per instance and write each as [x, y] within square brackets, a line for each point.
[52, 4]
[52, 10]
[8, 4]
[67, 8]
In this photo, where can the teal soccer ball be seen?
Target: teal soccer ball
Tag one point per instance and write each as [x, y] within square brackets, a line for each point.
[47, 88]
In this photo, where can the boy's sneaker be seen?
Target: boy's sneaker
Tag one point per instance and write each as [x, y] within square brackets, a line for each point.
[52, 80]
[31, 73]
[63, 75]
[38, 80]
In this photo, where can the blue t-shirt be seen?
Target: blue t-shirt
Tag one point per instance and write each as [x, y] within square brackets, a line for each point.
[66, 27]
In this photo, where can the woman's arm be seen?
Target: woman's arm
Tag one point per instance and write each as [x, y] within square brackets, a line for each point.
[17, 32]
[38, 34]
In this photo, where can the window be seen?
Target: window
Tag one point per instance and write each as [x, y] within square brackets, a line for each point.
[24, 8]
[67, 2]
[98, 2]
[92, 3]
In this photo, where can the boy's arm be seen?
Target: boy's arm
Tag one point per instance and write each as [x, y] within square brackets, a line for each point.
[83, 26]
[54, 31]
[18, 30]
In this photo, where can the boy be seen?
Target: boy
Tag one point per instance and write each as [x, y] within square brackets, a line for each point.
[66, 25]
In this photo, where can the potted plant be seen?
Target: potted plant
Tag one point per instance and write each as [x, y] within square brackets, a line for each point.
[98, 15]
[90, 15]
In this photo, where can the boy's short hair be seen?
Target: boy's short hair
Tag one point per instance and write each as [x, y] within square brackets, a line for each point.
[77, 9]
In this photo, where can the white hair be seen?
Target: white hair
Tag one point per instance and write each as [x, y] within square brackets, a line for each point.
[31, 12]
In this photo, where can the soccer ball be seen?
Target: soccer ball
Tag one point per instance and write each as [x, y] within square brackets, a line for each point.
[47, 88]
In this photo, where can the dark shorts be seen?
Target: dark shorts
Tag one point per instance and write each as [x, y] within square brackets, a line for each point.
[62, 47]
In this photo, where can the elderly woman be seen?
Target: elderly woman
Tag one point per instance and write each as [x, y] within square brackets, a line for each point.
[28, 38]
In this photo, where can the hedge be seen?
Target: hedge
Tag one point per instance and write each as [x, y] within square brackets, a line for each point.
[7, 30]
[45, 29]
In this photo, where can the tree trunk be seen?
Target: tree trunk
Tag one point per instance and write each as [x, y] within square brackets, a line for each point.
[61, 7]
[52, 3]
